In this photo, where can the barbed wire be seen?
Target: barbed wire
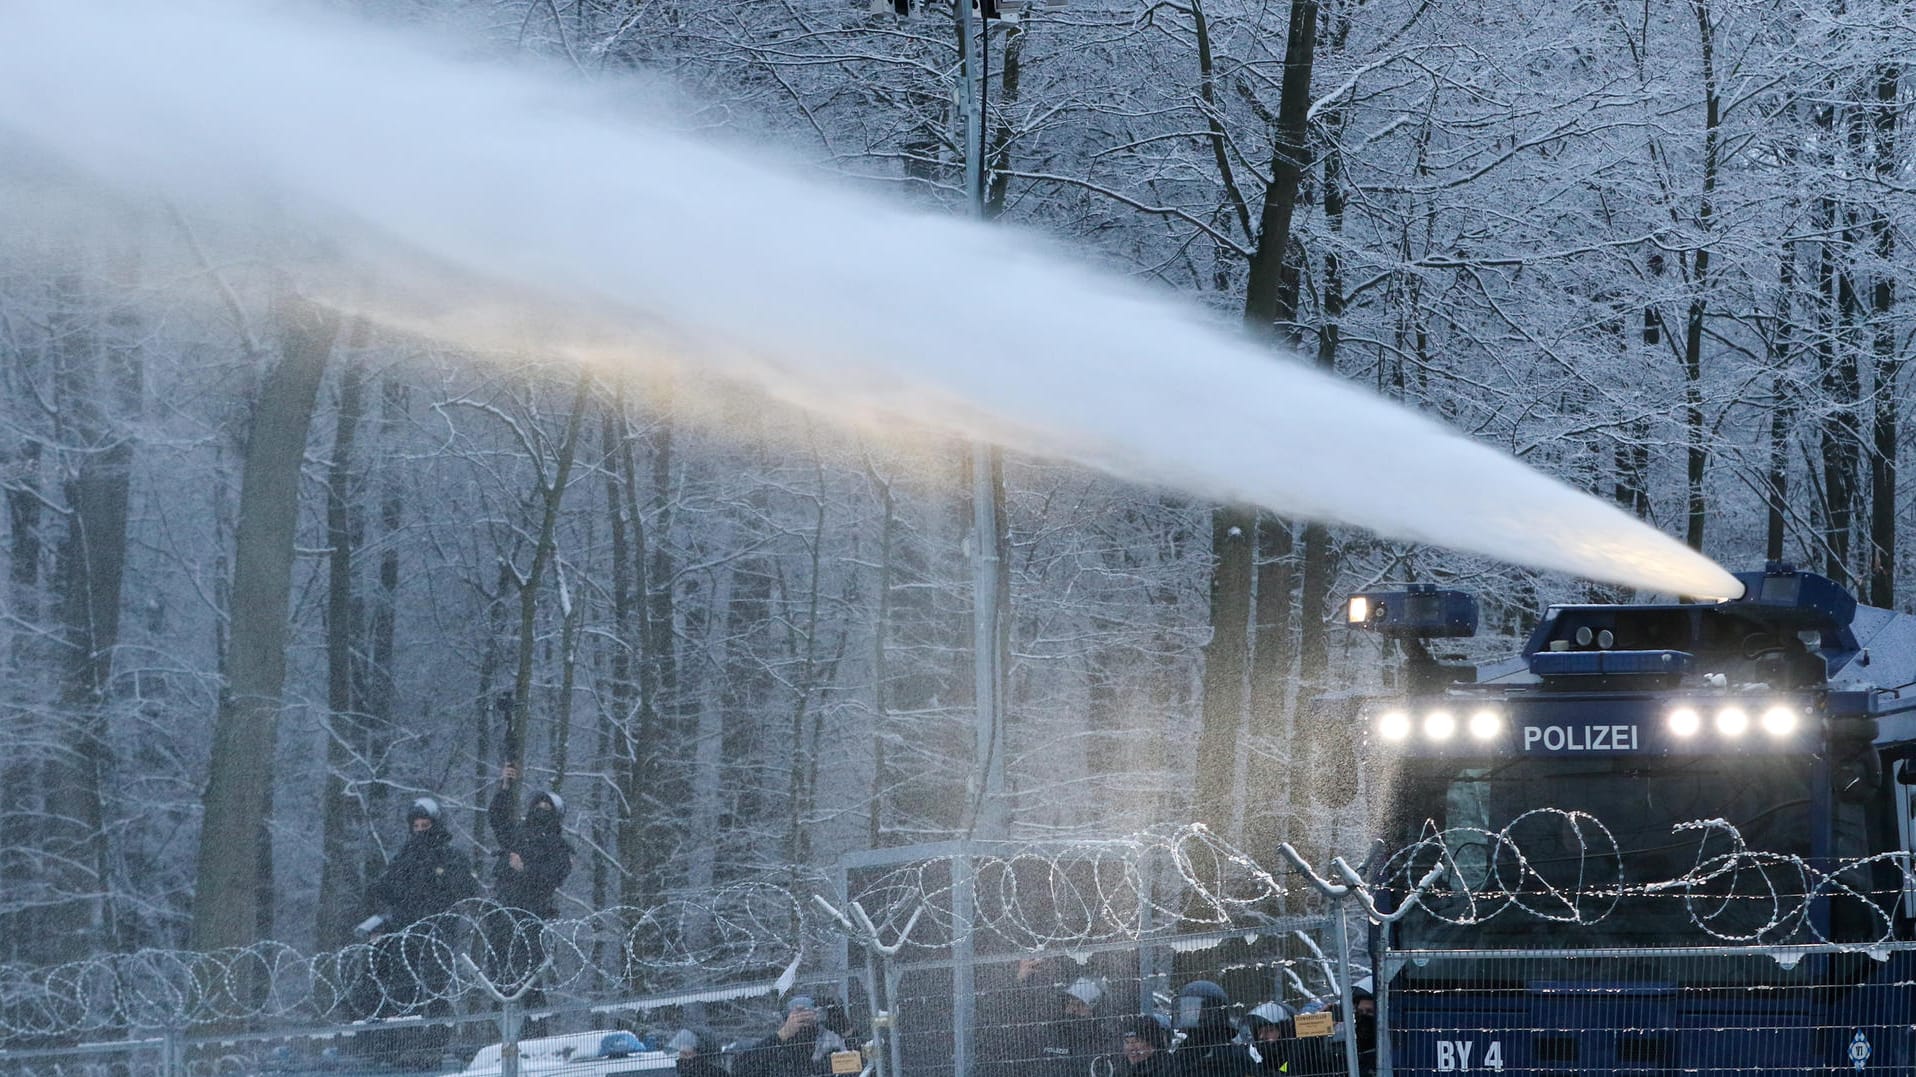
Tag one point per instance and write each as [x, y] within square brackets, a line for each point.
[1024, 896]
[730, 933]
[1550, 865]
[1035, 896]
[1578, 874]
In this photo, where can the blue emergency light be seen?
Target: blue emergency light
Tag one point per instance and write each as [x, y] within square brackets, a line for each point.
[1419, 611]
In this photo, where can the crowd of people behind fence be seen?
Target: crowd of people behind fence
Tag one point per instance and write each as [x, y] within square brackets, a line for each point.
[1044, 1023]
[1040, 1028]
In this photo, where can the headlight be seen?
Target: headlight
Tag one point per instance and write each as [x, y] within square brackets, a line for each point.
[1732, 721]
[1685, 721]
[1780, 720]
[1440, 725]
[1393, 725]
[1359, 610]
[1486, 724]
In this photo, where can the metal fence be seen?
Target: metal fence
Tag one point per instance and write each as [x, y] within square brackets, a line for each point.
[1066, 1012]
[616, 1038]
[961, 960]
[1701, 1010]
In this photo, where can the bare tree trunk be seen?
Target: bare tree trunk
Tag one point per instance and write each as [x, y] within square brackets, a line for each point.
[1841, 442]
[1695, 431]
[1782, 407]
[341, 885]
[381, 675]
[614, 743]
[100, 378]
[882, 777]
[643, 849]
[1228, 654]
[1272, 704]
[551, 495]
[1000, 179]
[1288, 159]
[1226, 657]
[228, 899]
[1889, 361]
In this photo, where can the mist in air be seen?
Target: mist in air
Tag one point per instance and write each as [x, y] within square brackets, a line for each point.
[475, 201]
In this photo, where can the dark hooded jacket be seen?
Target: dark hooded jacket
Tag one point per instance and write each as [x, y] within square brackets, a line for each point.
[1159, 1062]
[1209, 1051]
[807, 1054]
[1310, 1056]
[425, 878]
[1070, 1047]
[541, 847]
[705, 1060]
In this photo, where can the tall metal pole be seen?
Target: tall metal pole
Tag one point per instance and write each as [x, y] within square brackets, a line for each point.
[987, 810]
[968, 48]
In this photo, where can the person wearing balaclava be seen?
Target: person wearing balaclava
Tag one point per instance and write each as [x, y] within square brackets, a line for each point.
[533, 859]
[1209, 1048]
[800, 1047]
[424, 879]
[697, 1054]
[1363, 1025]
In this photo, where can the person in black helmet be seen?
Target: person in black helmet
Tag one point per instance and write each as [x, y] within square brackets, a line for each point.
[412, 959]
[533, 859]
[1209, 1048]
[1146, 1044]
[1274, 1037]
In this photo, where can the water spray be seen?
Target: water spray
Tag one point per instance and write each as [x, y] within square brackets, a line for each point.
[466, 199]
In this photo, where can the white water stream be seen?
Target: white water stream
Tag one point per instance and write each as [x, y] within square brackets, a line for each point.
[470, 198]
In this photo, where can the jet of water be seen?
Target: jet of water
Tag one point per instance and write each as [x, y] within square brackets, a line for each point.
[475, 195]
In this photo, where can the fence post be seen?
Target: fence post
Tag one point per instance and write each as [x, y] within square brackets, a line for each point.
[1147, 957]
[878, 954]
[963, 906]
[511, 1019]
[897, 1053]
[172, 1051]
[1385, 967]
[1349, 1009]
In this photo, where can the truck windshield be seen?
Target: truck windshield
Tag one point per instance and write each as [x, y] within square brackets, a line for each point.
[1603, 843]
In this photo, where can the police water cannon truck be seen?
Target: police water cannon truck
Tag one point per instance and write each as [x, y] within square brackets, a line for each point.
[1673, 837]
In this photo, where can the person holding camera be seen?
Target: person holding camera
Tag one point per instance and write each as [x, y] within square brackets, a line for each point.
[801, 1046]
[533, 860]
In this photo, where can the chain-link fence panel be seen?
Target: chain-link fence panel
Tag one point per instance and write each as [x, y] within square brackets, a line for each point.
[1097, 1009]
[824, 1014]
[1728, 1010]
[142, 1057]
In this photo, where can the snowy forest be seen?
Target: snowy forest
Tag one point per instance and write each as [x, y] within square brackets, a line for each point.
[273, 570]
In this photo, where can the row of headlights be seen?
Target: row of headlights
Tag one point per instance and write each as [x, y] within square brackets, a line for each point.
[1482, 725]
[1486, 724]
[1732, 721]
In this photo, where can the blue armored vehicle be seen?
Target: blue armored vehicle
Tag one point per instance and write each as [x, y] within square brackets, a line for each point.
[1673, 837]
